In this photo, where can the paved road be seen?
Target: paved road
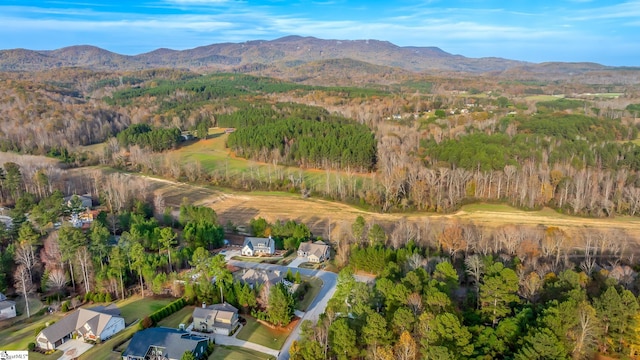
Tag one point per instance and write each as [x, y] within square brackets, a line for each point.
[316, 308]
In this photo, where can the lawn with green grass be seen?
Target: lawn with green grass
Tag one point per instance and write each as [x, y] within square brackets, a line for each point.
[257, 259]
[37, 356]
[137, 307]
[315, 284]
[20, 334]
[257, 333]
[104, 351]
[222, 352]
[182, 316]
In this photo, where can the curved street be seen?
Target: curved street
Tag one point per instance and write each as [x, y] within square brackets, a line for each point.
[316, 308]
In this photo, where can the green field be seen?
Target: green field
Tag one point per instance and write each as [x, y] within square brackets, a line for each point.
[136, 307]
[213, 156]
[537, 98]
[222, 352]
[257, 333]
[174, 320]
[316, 285]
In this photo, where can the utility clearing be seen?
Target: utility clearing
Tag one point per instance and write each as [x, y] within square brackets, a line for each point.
[322, 215]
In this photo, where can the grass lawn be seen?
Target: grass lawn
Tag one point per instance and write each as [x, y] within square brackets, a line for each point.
[18, 336]
[258, 259]
[136, 307]
[222, 352]
[37, 356]
[180, 317]
[314, 289]
[257, 333]
[104, 351]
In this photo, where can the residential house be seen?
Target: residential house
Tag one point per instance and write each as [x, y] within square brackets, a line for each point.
[257, 277]
[315, 252]
[254, 246]
[85, 201]
[219, 319]
[7, 308]
[164, 343]
[99, 323]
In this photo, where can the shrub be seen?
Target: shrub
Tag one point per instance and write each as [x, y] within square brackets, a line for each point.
[37, 330]
[147, 322]
[31, 346]
[108, 298]
[65, 306]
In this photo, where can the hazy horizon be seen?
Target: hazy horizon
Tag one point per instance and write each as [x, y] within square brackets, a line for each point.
[568, 30]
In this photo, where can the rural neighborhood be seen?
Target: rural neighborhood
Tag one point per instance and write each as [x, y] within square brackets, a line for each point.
[300, 198]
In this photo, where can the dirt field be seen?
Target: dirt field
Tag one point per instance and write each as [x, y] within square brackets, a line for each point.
[319, 215]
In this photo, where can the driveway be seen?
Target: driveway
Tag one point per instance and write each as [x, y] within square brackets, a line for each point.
[73, 348]
[316, 308]
[228, 254]
[233, 341]
[297, 261]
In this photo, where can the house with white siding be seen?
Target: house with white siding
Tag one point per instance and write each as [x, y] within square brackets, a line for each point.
[97, 324]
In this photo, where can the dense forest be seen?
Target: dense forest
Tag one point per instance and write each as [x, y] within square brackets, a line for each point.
[308, 144]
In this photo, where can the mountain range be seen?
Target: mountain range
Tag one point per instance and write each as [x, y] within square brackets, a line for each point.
[283, 53]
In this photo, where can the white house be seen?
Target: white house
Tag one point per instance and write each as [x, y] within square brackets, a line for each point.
[254, 246]
[314, 252]
[7, 308]
[99, 323]
[219, 319]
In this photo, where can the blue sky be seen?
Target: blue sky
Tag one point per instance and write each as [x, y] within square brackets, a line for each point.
[603, 31]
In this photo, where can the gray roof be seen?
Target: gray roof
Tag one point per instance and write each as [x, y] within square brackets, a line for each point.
[2, 297]
[256, 242]
[6, 304]
[317, 248]
[175, 342]
[97, 320]
[215, 312]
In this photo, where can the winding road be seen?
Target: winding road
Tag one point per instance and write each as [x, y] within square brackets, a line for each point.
[316, 308]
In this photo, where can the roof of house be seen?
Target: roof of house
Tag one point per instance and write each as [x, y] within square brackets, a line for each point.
[95, 318]
[2, 297]
[256, 276]
[256, 242]
[6, 304]
[175, 342]
[215, 312]
[317, 248]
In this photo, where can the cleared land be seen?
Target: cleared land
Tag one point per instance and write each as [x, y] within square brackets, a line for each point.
[241, 207]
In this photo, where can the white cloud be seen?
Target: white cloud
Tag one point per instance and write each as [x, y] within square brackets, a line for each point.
[630, 9]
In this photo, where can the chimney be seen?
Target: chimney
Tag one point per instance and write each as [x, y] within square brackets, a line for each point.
[204, 305]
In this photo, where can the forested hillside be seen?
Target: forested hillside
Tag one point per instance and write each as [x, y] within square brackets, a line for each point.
[433, 143]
